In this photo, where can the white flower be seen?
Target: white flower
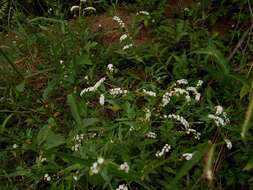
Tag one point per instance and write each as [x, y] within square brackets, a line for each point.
[123, 37]
[14, 146]
[166, 98]
[127, 46]
[164, 150]
[75, 178]
[187, 156]
[61, 61]
[96, 166]
[199, 84]
[93, 88]
[122, 187]
[149, 93]
[186, 9]
[119, 21]
[194, 132]
[76, 147]
[124, 167]
[151, 135]
[100, 160]
[178, 118]
[83, 1]
[143, 12]
[90, 8]
[147, 114]
[102, 100]
[47, 177]
[110, 67]
[219, 110]
[229, 143]
[182, 81]
[74, 8]
[117, 91]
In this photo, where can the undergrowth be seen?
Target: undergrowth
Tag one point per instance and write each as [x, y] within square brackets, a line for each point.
[161, 100]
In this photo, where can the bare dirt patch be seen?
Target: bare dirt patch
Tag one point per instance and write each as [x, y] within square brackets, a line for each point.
[176, 7]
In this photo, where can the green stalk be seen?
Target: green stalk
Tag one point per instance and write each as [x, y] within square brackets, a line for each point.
[19, 73]
[248, 116]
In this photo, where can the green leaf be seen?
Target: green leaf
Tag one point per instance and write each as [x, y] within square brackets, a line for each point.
[83, 60]
[53, 140]
[50, 87]
[197, 155]
[244, 91]
[21, 87]
[90, 121]
[249, 166]
[42, 135]
[220, 59]
[74, 110]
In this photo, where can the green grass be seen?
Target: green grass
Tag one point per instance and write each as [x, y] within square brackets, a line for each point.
[65, 124]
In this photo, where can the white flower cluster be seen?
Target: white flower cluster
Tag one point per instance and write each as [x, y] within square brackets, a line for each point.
[74, 8]
[122, 187]
[96, 166]
[102, 99]
[187, 156]
[127, 46]
[47, 177]
[151, 135]
[75, 177]
[182, 81]
[147, 114]
[220, 117]
[182, 91]
[124, 167]
[178, 118]
[117, 91]
[78, 140]
[119, 21]
[143, 13]
[123, 37]
[228, 143]
[110, 67]
[165, 149]
[93, 88]
[149, 93]
[42, 159]
[194, 132]
[90, 9]
[14, 146]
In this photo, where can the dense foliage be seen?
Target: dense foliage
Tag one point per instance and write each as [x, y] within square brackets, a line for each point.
[126, 94]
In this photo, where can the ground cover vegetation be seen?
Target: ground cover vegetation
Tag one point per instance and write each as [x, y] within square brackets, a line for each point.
[142, 94]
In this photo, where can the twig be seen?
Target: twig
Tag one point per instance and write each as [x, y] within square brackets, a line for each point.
[245, 34]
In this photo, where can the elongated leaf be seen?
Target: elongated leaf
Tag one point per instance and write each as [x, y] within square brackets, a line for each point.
[220, 59]
[42, 135]
[197, 155]
[53, 140]
[74, 110]
[90, 121]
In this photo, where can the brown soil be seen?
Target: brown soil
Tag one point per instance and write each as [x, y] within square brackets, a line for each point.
[222, 26]
[176, 7]
[109, 30]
